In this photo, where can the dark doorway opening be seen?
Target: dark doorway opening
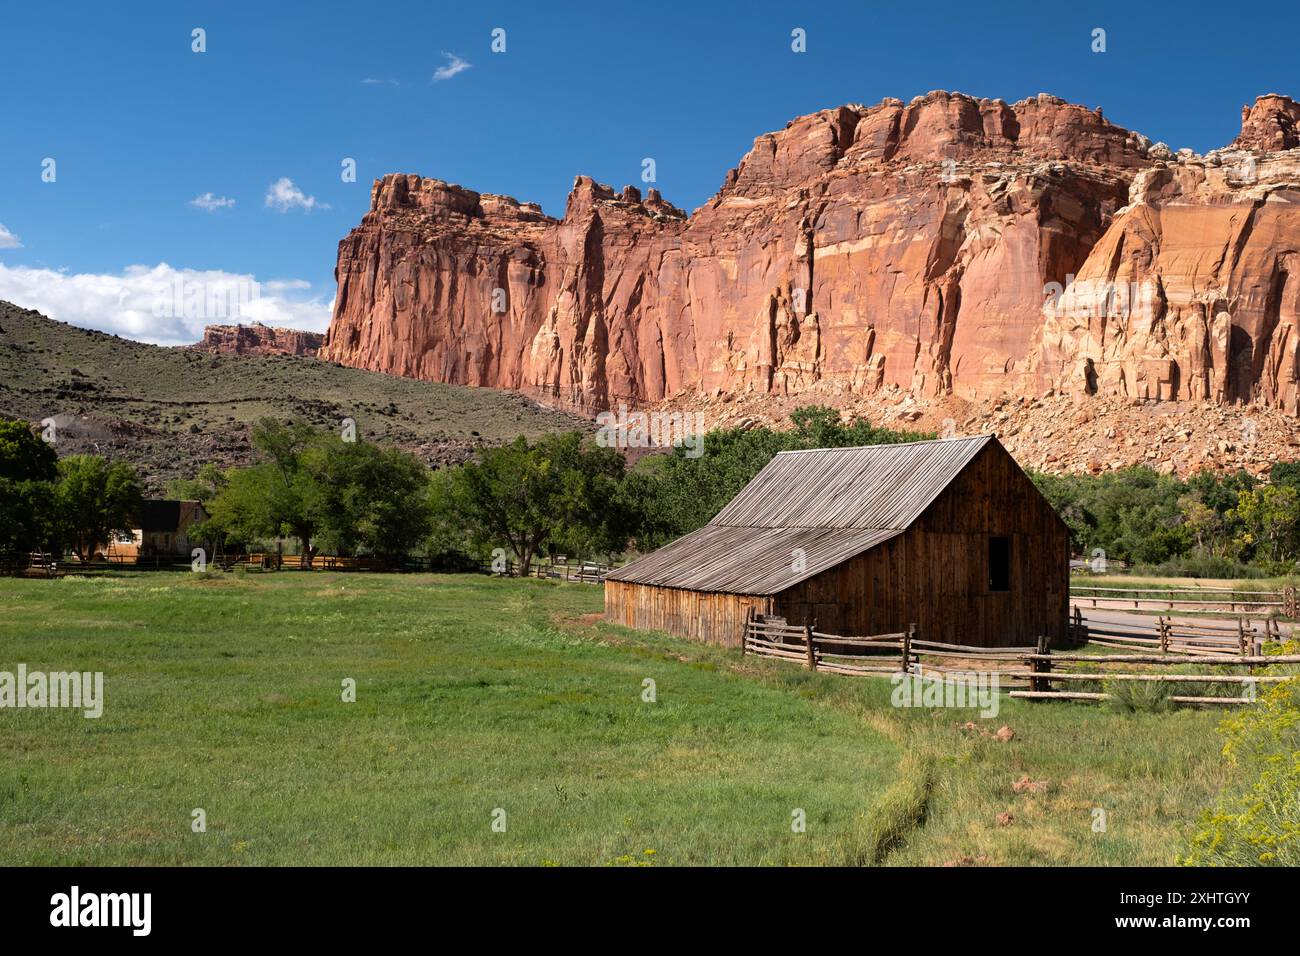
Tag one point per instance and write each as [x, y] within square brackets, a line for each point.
[999, 564]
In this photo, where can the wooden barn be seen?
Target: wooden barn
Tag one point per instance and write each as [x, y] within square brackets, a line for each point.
[950, 535]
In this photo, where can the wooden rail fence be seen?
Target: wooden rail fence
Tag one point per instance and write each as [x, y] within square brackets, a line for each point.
[586, 572]
[1097, 672]
[37, 564]
[272, 560]
[1029, 672]
[879, 654]
[1243, 636]
[1188, 599]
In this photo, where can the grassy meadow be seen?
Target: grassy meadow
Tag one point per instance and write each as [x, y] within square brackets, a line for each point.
[477, 695]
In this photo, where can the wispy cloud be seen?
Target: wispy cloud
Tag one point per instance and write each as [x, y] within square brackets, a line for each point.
[453, 66]
[161, 304]
[283, 195]
[211, 203]
[371, 81]
[7, 239]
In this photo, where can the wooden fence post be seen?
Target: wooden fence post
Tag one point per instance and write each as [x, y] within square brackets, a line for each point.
[744, 634]
[907, 648]
[808, 642]
[1041, 666]
[1245, 643]
[1164, 635]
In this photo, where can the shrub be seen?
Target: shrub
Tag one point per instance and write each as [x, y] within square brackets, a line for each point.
[1202, 565]
[1257, 820]
[1137, 697]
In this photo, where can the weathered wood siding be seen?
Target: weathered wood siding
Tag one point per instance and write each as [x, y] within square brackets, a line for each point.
[936, 573]
[704, 616]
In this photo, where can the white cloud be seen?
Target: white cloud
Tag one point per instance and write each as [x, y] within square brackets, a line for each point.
[163, 305]
[7, 239]
[285, 285]
[283, 195]
[210, 203]
[371, 81]
[454, 65]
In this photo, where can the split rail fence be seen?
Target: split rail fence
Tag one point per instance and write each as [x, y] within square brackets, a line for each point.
[1207, 637]
[1187, 599]
[1027, 672]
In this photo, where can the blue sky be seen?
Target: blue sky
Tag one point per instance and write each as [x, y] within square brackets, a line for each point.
[140, 126]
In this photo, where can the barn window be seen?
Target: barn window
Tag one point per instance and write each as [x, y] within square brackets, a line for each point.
[999, 564]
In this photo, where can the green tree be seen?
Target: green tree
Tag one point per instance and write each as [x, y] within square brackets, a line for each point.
[203, 488]
[524, 497]
[1271, 516]
[1067, 494]
[311, 485]
[1202, 522]
[28, 470]
[395, 515]
[367, 498]
[95, 499]
[1285, 473]
[275, 496]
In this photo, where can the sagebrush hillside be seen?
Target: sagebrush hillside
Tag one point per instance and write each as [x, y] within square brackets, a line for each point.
[169, 411]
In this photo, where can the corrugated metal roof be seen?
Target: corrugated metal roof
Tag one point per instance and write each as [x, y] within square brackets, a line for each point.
[879, 486]
[748, 560]
[828, 503]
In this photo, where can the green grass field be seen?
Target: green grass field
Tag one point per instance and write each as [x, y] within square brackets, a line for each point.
[476, 695]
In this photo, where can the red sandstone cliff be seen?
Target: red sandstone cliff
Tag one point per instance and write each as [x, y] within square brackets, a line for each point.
[258, 339]
[932, 246]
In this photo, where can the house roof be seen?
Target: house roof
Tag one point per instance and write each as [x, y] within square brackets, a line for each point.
[805, 512]
[161, 514]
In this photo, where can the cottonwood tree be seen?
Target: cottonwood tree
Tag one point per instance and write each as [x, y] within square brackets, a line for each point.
[310, 485]
[95, 500]
[273, 497]
[1271, 515]
[367, 497]
[560, 490]
[28, 471]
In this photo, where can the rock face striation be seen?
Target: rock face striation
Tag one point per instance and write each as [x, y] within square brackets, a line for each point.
[950, 246]
[258, 339]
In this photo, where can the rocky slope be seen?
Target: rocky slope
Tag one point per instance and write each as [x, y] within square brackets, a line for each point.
[258, 339]
[951, 248]
[1052, 432]
[169, 411]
